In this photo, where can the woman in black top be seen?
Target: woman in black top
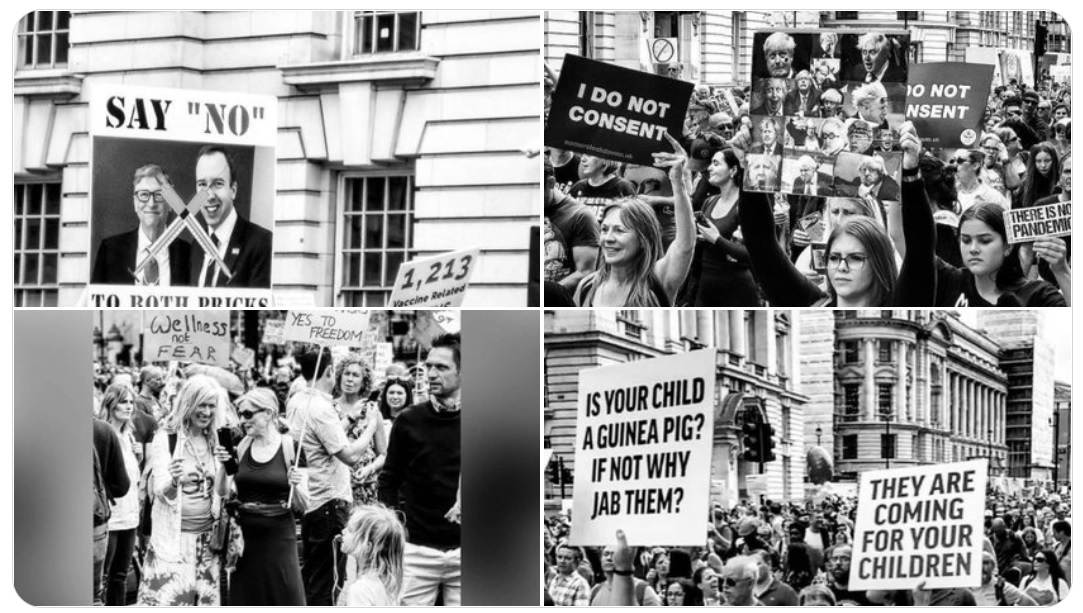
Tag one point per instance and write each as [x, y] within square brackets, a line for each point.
[268, 573]
[1043, 174]
[993, 274]
[725, 278]
[860, 259]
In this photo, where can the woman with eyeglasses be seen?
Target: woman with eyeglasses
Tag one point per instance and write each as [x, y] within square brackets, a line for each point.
[269, 571]
[859, 257]
[186, 483]
[361, 420]
[635, 271]
[1046, 583]
[1042, 175]
[969, 188]
[118, 407]
[395, 396]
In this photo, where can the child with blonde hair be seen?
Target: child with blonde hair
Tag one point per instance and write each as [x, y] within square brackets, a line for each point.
[375, 539]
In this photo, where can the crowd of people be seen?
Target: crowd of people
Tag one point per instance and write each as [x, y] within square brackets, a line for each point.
[792, 555]
[708, 224]
[311, 486]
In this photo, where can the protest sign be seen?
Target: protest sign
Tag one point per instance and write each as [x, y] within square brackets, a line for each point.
[326, 327]
[663, 50]
[643, 450]
[272, 331]
[144, 297]
[1046, 221]
[385, 355]
[946, 101]
[922, 523]
[615, 113]
[790, 71]
[187, 336]
[150, 207]
[243, 356]
[436, 281]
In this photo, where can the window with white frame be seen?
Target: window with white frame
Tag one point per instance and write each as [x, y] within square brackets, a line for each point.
[42, 39]
[377, 235]
[37, 243]
[385, 32]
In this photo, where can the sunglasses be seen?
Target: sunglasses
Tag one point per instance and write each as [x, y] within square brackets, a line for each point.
[730, 582]
[959, 161]
[1061, 129]
[1039, 558]
[249, 413]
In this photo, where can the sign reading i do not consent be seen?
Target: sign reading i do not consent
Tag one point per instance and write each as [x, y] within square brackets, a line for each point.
[643, 451]
[920, 524]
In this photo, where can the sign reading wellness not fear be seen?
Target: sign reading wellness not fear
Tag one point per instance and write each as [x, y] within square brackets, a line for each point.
[920, 524]
[643, 451]
[615, 113]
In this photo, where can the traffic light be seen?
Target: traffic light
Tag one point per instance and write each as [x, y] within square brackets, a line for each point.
[553, 472]
[767, 438]
[1041, 38]
[565, 475]
[751, 439]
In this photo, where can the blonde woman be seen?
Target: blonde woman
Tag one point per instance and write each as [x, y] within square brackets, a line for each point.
[187, 484]
[375, 539]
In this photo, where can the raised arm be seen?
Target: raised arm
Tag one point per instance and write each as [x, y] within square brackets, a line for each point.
[672, 268]
[917, 279]
[781, 281]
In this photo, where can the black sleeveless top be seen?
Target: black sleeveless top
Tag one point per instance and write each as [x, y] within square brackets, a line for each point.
[654, 285]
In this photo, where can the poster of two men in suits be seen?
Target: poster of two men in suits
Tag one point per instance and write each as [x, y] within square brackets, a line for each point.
[181, 194]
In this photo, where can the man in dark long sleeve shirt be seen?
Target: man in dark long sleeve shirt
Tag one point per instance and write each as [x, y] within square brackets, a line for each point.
[422, 464]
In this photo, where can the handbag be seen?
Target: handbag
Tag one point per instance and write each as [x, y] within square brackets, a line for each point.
[220, 531]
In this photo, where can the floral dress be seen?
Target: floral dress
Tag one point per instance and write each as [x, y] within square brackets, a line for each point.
[364, 489]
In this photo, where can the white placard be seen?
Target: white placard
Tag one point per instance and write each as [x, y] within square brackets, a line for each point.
[187, 336]
[436, 281]
[326, 327]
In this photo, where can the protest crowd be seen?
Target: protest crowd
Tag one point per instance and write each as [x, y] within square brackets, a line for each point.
[304, 483]
[777, 554]
[799, 191]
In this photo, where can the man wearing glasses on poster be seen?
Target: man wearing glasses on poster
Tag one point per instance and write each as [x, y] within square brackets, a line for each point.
[119, 255]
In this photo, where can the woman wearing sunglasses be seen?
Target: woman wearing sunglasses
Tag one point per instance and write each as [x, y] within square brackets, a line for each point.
[186, 483]
[361, 420]
[969, 187]
[268, 572]
[1046, 584]
[859, 257]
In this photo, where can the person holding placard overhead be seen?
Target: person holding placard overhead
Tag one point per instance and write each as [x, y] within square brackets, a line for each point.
[634, 271]
[330, 454]
[187, 482]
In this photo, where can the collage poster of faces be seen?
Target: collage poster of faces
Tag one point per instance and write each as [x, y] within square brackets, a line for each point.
[826, 109]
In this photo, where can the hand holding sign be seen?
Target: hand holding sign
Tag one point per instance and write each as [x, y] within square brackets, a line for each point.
[910, 144]
[1053, 251]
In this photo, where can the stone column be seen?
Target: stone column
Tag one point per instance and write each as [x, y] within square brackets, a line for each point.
[900, 380]
[737, 332]
[722, 330]
[870, 380]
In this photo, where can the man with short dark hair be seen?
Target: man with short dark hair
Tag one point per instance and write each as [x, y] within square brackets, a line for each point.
[571, 236]
[838, 578]
[244, 247]
[423, 466]
[1030, 101]
[1062, 534]
[1009, 550]
[330, 455]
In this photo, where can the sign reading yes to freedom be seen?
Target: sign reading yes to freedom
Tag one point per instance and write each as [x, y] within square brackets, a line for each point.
[615, 113]
[946, 101]
[1046, 221]
[643, 451]
[187, 336]
[326, 327]
[437, 281]
[920, 524]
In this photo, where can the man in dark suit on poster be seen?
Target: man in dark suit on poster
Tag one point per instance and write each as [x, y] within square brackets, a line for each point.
[881, 60]
[120, 255]
[810, 181]
[244, 246]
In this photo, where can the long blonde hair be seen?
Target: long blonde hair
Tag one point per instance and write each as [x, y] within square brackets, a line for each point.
[374, 536]
[641, 220]
[195, 390]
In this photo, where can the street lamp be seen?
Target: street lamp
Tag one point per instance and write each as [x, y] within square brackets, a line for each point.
[819, 433]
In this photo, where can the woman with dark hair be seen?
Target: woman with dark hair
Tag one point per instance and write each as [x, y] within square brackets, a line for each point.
[1029, 536]
[118, 407]
[361, 420]
[1046, 584]
[268, 572]
[678, 593]
[1043, 173]
[1061, 138]
[993, 274]
[395, 396]
[658, 574]
[634, 271]
[725, 278]
[705, 581]
[1054, 255]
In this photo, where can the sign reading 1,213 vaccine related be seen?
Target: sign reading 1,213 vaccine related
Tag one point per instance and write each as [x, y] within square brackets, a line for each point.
[436, 281]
